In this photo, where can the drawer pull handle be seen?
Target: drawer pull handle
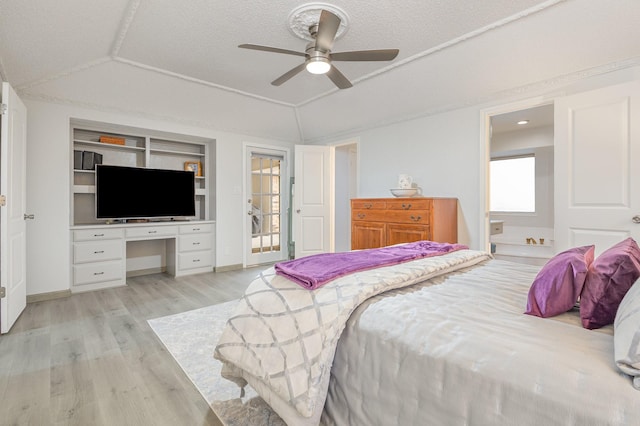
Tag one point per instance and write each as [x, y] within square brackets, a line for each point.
[406, 206]
[368, 205]
[98, 273]
[196, 244]
[417, 219]
[361, 215]
[195, 229]
[196, 260]
[152, 232]
[98, 252]
[98, 235]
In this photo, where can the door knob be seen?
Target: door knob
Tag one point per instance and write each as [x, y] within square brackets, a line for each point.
[636, 219]
[250, 213]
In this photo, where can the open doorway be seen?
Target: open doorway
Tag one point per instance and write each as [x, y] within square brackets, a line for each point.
[346, 188]
[521, 185]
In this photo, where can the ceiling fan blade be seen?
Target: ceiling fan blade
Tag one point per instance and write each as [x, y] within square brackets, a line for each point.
[327, 29]
[366, 55]
[338, 78]
[271, 49]
[287, 75]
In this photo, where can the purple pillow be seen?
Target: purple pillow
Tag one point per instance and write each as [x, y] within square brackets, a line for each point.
[609, 278]
[558, 284]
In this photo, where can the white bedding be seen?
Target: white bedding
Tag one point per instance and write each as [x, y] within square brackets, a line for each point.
[282, 337]
[462, 352]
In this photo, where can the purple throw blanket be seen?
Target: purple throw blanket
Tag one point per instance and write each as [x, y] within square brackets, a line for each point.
[314, 271]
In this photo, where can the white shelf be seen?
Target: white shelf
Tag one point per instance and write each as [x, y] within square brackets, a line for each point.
[84, 189]
[169, 152]
[108, 145]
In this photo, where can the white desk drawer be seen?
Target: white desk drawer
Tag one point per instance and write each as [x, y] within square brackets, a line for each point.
[198, 259]
[194, 242]
[97, 234]
[97, 272]
[96, 251]
[196, 228]
[151, 231]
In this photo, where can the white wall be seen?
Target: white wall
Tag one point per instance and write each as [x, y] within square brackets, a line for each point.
[535, 137]
[48, 187]
[446, 153]
[441, 154]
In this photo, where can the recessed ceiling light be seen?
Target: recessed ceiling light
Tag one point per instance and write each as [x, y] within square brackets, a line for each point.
[523, 122]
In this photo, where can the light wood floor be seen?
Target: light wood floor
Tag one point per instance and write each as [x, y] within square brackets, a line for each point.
[92, 359]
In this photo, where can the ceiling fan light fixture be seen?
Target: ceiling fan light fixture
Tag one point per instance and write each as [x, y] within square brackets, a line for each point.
[318, 65]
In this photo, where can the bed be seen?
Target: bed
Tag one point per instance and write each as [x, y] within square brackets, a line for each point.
[443, 341]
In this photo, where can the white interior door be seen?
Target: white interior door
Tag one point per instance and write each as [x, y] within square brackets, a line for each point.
[313, 224]
[13, 148]
[267, 201]
[597, 178]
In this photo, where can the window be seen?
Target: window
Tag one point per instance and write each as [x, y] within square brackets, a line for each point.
[513, 184]
[265, 196]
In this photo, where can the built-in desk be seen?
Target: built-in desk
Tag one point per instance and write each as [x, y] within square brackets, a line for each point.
[99, 252]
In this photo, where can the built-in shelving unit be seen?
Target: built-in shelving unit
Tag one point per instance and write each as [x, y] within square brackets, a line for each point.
[141, 148]
[105, 254]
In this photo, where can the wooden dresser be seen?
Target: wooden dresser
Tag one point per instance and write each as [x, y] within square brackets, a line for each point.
[379, 222]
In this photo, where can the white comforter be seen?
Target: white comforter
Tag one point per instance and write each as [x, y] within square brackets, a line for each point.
[458, 350]
[282, 337]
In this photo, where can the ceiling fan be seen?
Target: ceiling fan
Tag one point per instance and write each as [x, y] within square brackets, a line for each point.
[318, 55]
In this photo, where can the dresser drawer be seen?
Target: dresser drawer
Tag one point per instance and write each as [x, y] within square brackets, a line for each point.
[409, 204]
[392, 216]
[97, 234]
[196, 228]
[91, 273]
[97, 251]
[197, 259]
[195, 242]
[368, 204]
[151, 231]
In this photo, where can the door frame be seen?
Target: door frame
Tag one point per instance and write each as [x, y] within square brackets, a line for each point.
[485, 157]
[346, 142]
[247, 148]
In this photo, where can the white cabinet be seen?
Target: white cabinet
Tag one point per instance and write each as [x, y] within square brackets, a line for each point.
[195, 248]
[98, 258]
[100, 251]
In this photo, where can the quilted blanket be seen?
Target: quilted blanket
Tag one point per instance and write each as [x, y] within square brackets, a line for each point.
[285, 336]
[315, 271]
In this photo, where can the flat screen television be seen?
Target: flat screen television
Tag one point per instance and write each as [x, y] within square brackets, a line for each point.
[140, 193]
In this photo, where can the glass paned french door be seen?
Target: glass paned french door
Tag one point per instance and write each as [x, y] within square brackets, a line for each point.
[266, 211]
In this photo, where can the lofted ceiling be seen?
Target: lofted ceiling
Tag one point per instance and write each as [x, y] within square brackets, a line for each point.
[179, 59]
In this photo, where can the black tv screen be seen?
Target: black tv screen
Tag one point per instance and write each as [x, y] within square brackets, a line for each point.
[134, 192]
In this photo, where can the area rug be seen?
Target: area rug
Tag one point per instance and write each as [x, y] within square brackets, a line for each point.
[190, 337]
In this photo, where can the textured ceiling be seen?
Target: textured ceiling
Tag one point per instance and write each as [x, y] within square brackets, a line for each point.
[143, 55]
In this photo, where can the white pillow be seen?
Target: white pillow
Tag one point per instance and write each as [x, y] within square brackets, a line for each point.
[626, 337]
